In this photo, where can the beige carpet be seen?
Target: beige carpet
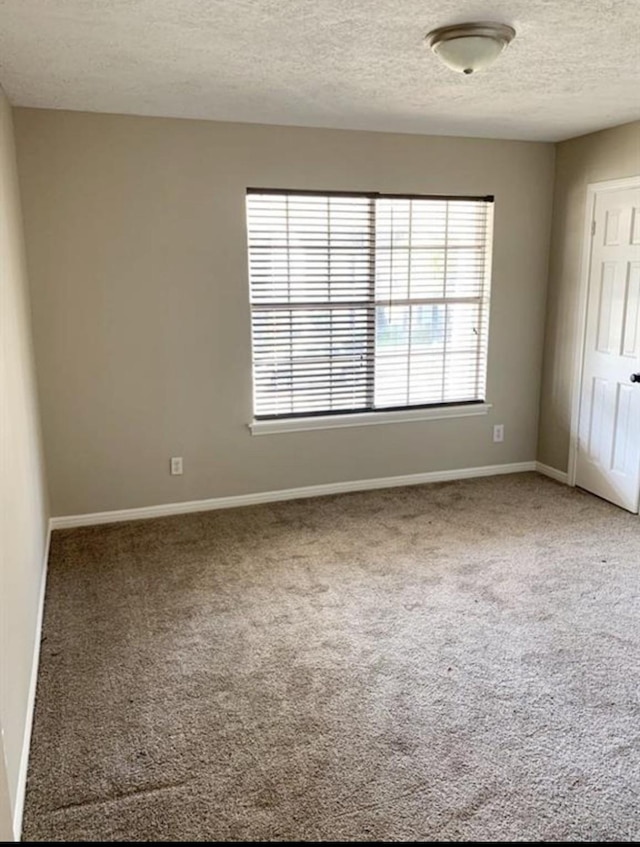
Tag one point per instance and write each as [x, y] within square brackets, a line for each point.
[448, 662]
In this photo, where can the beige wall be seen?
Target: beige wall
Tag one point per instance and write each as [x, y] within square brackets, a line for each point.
[6, 816]
[609, 154]
[23, 508]
[137, 257]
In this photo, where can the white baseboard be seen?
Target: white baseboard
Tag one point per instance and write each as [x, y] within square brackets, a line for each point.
[31, 699]
[559, 476]
[68, 521]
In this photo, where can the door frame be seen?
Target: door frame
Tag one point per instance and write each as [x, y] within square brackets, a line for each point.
[593, 189]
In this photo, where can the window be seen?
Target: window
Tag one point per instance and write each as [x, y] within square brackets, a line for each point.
[367, 302]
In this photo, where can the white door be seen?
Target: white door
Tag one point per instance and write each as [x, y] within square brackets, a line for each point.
[608, 460]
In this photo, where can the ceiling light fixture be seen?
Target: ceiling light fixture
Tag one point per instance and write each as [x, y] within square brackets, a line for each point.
[468, 48]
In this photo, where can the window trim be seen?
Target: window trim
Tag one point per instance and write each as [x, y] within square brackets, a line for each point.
[299, 422]
[338, 420]
[486, 198]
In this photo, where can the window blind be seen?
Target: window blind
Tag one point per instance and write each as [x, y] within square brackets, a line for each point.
[366, 302]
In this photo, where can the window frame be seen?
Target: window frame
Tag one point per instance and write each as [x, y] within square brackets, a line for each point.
[333, 419]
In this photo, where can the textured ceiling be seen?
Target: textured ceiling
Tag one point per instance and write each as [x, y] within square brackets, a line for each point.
[360, 64]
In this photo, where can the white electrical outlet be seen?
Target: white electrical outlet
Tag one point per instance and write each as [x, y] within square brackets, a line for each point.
[498, 433]
[176, 465]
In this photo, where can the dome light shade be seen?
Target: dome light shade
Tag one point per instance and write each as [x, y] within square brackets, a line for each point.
[468, 48]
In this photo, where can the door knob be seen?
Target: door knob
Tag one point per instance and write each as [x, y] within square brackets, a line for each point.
[635, 377]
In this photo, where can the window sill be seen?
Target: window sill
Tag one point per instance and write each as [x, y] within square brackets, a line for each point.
[367, 419]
